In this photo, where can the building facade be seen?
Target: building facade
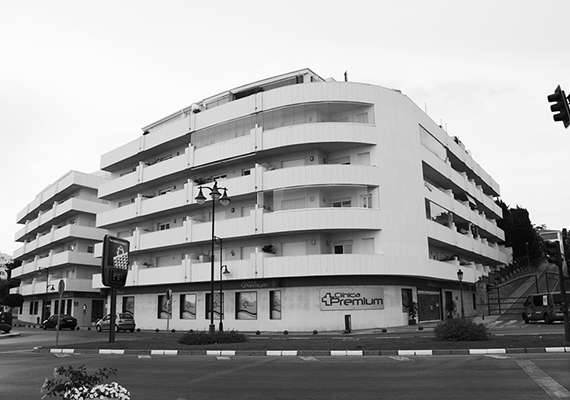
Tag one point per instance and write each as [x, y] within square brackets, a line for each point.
[348, 205]
[58, 240]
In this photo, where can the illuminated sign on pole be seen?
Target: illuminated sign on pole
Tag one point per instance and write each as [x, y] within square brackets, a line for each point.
[115, 263]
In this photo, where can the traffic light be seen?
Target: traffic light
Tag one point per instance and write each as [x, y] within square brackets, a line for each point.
[553, 255]
[560, 106]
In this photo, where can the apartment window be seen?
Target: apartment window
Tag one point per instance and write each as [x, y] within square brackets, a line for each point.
[364, 158]
[368, 244]
[342, 203]
[164, 308]
[129, 304]
[406, 300]
[342, 247]
[298, 162]
[340, 160]
[366, 201]
[361, 118]
[246, 305]
[216, 305]
[162, 226]
[187, 306]
[437, 213]
[90, 249]
[275, 304]
[246, 171]
[293, 204]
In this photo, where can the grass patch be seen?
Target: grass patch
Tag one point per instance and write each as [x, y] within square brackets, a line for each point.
[203, 337]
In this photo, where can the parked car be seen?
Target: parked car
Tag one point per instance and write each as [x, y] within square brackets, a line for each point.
[543, 306]
[66, 322]
[123, 322]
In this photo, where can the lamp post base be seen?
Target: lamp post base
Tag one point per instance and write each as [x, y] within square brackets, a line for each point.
[212, 329]
[221, 326]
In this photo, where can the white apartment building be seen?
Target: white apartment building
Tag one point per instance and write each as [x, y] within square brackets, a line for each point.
[361, 202]
[58, 240]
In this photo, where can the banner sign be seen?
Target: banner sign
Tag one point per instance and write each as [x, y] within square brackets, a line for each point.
[351, 298]
[115, 263]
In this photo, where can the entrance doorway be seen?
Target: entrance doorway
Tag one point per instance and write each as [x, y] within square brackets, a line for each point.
[429, 306]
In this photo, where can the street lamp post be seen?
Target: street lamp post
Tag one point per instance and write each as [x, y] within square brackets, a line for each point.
[223, 271]
[224, 201]
[44, 308]
[460, 278]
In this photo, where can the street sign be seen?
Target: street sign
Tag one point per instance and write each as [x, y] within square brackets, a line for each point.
[61, 286]
[115, 262]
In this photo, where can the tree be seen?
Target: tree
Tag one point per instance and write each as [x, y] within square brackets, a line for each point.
[13, 300]
[6, 285]
[520, 234]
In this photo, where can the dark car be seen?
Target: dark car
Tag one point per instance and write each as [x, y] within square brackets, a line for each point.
[66, 322]
[123, 322]
[5, 318]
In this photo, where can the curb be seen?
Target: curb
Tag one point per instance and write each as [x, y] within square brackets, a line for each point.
[305, 353]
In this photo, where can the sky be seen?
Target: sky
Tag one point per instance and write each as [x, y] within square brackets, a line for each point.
[79, 79]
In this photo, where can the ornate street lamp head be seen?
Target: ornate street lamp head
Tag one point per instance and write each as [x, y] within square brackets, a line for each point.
[200, 199]
[460, 275]
[224, 199]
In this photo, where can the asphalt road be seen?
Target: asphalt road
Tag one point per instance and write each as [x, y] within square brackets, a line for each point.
[525, 376]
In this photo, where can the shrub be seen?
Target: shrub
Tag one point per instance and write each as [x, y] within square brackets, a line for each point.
[204, 337]
[460, 329]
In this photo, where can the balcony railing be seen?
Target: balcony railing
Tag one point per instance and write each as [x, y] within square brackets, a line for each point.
[256, 141]
[260, 179]
[260, 222]
[56, 260]
[57, 235]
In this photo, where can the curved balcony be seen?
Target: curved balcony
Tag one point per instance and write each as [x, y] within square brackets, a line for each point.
[259, 222]
[57, 213]
[460, 180]
[478, 247]
[57, 260]
[69, 182]
[333, 134]
[71, 285]
[58, 235]
[260, 266]
[446, 200]
[260, 179]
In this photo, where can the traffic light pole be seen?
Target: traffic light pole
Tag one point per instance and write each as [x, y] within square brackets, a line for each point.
[565, 307]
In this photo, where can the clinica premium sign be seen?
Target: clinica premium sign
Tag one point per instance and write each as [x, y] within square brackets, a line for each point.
[350, 298]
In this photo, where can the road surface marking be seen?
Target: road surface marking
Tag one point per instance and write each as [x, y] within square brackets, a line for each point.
[542, 379]
[498, 357]
[309, 359]
[399, 358]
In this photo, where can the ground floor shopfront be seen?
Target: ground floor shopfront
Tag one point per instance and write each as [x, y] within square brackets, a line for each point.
[295, 304]
[86, 307]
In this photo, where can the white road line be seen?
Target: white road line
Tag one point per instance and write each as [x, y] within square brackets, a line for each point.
[399, 358]
[542, 379]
